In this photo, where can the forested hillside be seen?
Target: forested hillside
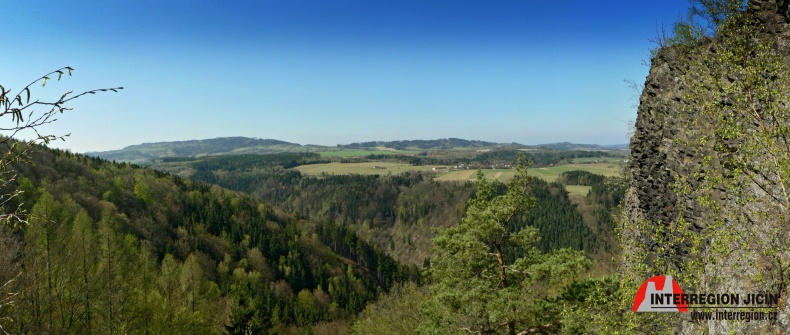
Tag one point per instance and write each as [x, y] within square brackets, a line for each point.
[114, 248]
[398, 212]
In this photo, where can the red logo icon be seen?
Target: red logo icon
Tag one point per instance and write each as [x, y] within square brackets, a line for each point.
[660, 294]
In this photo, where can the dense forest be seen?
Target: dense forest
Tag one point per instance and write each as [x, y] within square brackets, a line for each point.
[115, 248]
[119, 248]
[399, 212]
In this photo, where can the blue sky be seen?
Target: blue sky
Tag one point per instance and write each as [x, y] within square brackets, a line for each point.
[333, 72]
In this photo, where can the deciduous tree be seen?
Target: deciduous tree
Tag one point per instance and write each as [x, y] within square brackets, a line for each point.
[21, 114]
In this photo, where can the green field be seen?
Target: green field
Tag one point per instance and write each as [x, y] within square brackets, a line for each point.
[578, 190]
[599, 160]
[551, 173]
[360, 168]
[460, 175]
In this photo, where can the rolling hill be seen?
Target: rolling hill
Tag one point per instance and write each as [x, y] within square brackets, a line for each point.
[148, 153]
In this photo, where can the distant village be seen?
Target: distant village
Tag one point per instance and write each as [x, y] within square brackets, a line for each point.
[471, 167]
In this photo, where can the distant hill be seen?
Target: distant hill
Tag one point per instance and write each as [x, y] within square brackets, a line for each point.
[440, 144]
[575, 146]
[147, 152]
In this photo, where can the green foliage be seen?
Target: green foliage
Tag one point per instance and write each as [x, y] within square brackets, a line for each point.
[714, 13]
[396, 313]
[704, 18]
[474, 287]
[114, 248]
[398, 212]
[740, 93]
[27, 119]
[558, 221]
[580, 178]
[731, 207]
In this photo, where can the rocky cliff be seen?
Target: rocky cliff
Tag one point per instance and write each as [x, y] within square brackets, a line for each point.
[708, 202]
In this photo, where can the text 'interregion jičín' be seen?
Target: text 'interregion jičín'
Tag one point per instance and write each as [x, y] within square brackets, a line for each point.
[714, 299]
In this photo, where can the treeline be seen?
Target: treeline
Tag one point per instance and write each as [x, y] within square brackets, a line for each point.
[585, 178]
[114, 248]
[493, 157]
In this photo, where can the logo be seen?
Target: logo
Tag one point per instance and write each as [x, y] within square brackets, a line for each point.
[663, 294]
[660, 294]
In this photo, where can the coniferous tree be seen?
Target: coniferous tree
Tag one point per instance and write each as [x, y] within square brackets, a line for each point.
[475, 288]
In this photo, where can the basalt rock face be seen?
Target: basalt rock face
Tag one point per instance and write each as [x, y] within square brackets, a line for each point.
[665, 121]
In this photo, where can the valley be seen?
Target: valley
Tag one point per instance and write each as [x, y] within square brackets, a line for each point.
[396, 200]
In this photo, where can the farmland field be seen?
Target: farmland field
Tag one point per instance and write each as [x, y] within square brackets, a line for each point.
[598, 160]
[360, 168]
[460, 175]
[551, 173]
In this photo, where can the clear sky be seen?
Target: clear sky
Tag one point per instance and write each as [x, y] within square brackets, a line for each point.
[333, 72]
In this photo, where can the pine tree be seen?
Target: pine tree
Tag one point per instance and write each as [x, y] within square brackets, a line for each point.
[476, 289]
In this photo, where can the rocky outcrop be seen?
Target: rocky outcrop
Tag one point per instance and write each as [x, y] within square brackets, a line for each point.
[666, 122]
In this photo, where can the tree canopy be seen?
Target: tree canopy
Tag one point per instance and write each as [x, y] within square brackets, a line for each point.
[476, 288]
